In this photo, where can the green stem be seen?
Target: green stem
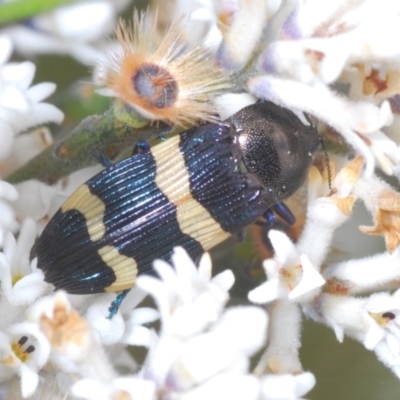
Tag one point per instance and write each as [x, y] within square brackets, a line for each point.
[21, 9]
[109, 135]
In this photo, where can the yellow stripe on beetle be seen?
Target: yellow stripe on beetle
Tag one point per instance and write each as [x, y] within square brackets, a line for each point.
[92, 208]
[124, 267]
[173, 180]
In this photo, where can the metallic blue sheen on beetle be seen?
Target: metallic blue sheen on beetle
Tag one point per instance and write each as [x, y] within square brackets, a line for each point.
[193, 190]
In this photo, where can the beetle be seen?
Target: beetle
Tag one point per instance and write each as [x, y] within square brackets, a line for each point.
[193, 190]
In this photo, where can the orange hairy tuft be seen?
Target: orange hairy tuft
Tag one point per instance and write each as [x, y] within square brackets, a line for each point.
[170, 80]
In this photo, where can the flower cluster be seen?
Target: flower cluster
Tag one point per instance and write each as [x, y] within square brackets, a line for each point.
[334, 61]
[21, 108]
[78, 30]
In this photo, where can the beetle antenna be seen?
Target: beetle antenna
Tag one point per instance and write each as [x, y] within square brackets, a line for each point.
[328, 167]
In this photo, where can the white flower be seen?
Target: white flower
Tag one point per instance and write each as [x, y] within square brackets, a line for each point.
[52, 386]
[71, 29]
[135, 333]
[284, 333]
[225, 348]
[7, 217]
[383, 202]
[76, 345]
[197, 340]
[290, 275]
[230, 103]
[328, 208]
[182, 364]
[241, 37]
[21, 282]
[187, 298]
[26, 147]
[34, 200]
[233, 385]
[203, 17]
[344, 42]
[365, 274]
[188, 301]
[21, 106]
[385, 310]
[238, 387]
[23, 351]
[372, 321]
[119, 388]
[127, 326]
[385, 151]
[308, 52]
[286, 387]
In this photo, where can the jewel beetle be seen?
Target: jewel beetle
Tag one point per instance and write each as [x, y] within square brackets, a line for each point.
[193, 190]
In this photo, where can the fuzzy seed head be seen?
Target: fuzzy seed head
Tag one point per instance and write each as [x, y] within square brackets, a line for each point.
[170, 79]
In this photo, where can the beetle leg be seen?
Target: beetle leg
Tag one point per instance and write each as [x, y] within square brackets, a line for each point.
[116, 303]
[269, 218]
[141, 147]
[280, 209]
[240, 235]
[284, 212]
[102, 159]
